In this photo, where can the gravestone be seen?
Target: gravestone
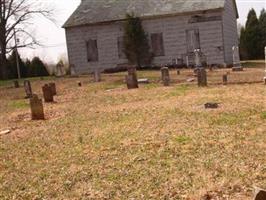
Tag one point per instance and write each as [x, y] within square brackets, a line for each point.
[47, 93]
[16, 84]
[260, 194]
[27, 88]
[236, 61]
[165, 76]
[202, 77]
[131, 78]
[79, 84]
[178, 72]
[225, 79]
[53, 88]
[132, 82]
[72, 70]
[60, 69]
[198, 62]
[97, 75]
[36, 106]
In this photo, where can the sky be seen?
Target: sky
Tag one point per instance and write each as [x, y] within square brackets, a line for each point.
[52, 35]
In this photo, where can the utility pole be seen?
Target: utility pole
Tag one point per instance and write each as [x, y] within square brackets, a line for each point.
[18, 68]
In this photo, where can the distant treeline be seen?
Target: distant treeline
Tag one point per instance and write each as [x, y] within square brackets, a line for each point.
[28, 68]
[253, 36]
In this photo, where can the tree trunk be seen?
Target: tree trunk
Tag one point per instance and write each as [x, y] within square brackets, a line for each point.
[3, 67]
[3, 58]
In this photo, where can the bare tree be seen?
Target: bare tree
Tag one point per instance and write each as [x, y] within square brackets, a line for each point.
[15, 17]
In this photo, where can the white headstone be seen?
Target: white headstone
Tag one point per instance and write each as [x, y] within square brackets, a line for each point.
[236, 60]
[197, 58]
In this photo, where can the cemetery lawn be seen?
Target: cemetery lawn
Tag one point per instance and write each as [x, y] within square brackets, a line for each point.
[102, 141]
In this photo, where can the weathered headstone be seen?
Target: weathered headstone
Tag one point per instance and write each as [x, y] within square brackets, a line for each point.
[260, 194]
[27, 88]
[60, 69]
[165, 76]
[178, 72]
[47, 93]
[97, 75]
[16, 84]
[198, 62]
[236, 61]
[36, 106]
[53, 88]
[132, 82]
[225, 79]
[72, 70]
[202, 77]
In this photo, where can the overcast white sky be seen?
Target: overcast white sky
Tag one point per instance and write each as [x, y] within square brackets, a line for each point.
[53, 36]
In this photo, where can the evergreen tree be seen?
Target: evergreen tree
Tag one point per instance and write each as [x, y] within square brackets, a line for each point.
[12, 66]
[242, 46]
[136, 42]
[262, 27]
[37, 68]
[252, 35]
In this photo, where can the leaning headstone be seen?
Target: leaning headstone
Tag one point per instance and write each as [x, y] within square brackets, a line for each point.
[260, 194]
[165, 76]
[225, 79]
[97, 75]
[53, 88]
[16, 84]
[47, 93]
[202, 77]
[36, 106]
[236, 61]
[27, 88]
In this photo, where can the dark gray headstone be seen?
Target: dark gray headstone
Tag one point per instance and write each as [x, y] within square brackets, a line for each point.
[47, 93]
[132, 82]
[97, 75]
[225, 79]
[53, 88]
[165, 76]
[36, 106]
[202, 77]
[28, 90]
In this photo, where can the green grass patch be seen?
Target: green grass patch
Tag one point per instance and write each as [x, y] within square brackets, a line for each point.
[180, 90]
[18, 104]
[263, 115]
[182, 139]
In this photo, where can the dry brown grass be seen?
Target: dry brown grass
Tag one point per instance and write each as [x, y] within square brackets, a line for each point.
[102, 141]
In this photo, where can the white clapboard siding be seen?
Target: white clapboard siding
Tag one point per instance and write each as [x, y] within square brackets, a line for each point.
[229, 30]
[212, 40]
